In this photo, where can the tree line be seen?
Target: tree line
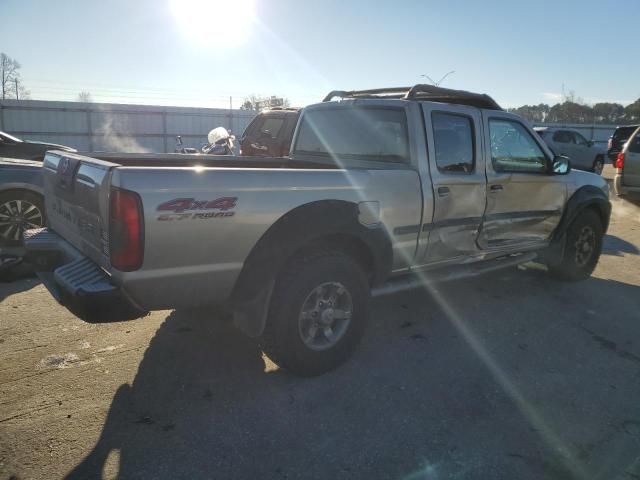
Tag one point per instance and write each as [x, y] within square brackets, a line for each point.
[574, 110]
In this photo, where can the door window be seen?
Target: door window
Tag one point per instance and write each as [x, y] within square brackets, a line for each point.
[562, 136]
[453, 141]
[513, 148]
[579, 139]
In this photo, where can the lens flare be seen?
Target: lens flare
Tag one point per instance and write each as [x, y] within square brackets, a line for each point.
[214, 23]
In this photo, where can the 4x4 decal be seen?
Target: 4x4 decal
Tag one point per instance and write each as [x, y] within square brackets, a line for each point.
[184, 208]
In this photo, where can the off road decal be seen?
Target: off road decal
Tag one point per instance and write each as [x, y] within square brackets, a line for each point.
[190, 208]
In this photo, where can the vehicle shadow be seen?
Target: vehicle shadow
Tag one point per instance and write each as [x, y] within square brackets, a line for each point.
[616, 246]
[417, 400]
[11, 285]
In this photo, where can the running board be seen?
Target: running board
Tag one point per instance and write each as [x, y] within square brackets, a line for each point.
[419, 278]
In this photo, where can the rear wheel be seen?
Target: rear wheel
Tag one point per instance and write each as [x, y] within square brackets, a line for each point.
[583, 248]
[318, 312]
[19, 211]
[598, 165]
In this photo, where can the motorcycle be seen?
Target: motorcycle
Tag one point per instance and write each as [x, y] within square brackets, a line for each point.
[221, 142]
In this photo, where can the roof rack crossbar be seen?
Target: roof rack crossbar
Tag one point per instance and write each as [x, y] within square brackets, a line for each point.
[421, 92]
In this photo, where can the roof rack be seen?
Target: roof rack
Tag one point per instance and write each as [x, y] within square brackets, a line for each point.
[421, 92]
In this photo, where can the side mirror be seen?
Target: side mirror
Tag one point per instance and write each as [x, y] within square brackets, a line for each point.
[590, 143]
[561, 165]
[179, 140]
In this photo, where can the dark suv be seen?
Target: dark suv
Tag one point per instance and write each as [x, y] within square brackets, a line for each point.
[618, 139]
[270, 133]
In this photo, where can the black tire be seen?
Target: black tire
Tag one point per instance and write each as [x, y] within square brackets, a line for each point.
[598, 165]
[282, 339]
[8, 200]
[578, 263]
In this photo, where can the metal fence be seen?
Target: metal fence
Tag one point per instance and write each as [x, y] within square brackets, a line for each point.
[100, 127]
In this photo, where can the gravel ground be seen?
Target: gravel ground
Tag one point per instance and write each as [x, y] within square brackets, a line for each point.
[507, 376]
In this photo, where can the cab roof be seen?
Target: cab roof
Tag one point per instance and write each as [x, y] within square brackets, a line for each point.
[420, 92]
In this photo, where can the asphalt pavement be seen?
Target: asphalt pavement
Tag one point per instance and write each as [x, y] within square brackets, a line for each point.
[507, 376]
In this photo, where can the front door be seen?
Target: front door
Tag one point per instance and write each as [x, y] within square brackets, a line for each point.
[524, 201]
[582, 156]
[456, 163]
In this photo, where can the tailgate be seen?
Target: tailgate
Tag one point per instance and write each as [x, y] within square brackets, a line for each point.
[77, 201]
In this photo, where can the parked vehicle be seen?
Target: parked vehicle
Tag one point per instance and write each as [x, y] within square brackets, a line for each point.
[270, 133]
[584, 154]
[13, 147]
[618, 139]
[21, 199]
[627, 179]
[428, 181]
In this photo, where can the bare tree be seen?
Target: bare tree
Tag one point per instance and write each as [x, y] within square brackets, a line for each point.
[258, 103]
[85, 97]
[9, 76]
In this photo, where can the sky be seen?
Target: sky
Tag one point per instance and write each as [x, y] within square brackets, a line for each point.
[201, 52]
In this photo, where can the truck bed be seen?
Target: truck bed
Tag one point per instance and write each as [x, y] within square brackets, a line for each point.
[193, 160]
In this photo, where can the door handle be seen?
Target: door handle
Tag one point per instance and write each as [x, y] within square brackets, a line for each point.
[496, 188]
[443, 191]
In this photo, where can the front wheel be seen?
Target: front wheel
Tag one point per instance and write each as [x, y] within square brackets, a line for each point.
[583, 248]
[598, 165]
[317, 314]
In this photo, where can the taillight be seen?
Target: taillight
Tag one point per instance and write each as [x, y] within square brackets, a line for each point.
[620, 160]
[126, 230]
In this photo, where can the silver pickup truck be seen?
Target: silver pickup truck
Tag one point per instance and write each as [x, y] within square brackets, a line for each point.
[427, 181]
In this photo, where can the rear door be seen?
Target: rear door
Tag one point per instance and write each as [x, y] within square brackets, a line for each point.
[631, 170]
[562, 143]
[77, 202]
[454, 139]
[524, 201]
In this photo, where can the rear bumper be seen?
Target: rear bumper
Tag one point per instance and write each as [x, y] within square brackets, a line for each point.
[75, 281]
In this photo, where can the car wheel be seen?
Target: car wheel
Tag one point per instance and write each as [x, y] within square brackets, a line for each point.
[598, 165]
[19, 211]
[582, 249]
[317, 314]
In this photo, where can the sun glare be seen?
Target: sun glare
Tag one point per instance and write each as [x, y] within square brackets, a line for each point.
[214, 22]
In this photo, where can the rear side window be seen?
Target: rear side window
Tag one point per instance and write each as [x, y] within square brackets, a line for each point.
[453, 141]
[634, 144]
[360, 133]
[271, 127]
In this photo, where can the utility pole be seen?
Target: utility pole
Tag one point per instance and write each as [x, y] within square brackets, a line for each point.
[17, 95]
